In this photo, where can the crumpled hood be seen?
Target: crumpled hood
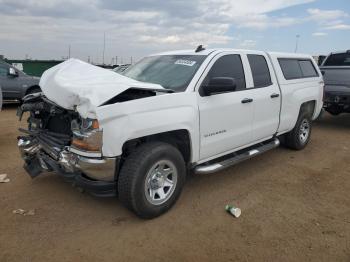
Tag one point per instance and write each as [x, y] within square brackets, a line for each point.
[76, 84]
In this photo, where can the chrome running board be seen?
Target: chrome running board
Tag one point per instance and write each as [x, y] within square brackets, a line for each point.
[235, 158]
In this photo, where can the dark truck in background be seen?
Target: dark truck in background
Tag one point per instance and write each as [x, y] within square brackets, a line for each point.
[15, 84]
[336, 73]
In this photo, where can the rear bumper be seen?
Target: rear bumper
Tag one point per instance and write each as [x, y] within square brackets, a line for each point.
[337, 103]
[336, 99]
[336, 95]
[94, 175]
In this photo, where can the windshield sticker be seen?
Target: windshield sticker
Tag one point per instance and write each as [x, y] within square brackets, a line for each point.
[185, 62]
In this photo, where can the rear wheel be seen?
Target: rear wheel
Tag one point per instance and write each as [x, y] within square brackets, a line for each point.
[151, 179]
[299, 137]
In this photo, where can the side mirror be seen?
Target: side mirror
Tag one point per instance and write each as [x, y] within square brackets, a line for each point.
[12, 72]
[218, 85]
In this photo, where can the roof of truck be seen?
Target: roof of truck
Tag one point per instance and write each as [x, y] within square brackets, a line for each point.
[211, 50]
[340, 52]
[187, 52]
[288, 55]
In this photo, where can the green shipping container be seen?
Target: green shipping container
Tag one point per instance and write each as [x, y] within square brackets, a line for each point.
[33, 67]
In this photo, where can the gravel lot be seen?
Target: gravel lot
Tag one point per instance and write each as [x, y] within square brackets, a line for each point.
[295, 207]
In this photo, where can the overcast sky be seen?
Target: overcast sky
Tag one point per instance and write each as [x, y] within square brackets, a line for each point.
[44, 29]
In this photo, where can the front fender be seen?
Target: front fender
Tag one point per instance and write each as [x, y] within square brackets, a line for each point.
[124, 121]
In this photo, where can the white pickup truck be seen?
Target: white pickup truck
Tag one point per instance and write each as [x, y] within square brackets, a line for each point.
[137, 135]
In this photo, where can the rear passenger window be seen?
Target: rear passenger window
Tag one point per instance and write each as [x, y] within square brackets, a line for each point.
[297, 68]
[307, 68]
[260, 70]
[228, 66]
[290, 68]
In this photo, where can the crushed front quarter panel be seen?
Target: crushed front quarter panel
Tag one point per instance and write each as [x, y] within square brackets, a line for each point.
[75, 84]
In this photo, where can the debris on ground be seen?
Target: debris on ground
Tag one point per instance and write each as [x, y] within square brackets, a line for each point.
[235, 211]
[4, 178]
[30, 212]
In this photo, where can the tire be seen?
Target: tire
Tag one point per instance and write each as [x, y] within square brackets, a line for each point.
[138, 179]
[299, 137]
[33, 90]
[334, 110]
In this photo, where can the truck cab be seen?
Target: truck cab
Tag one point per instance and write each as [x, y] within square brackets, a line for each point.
[137, 135]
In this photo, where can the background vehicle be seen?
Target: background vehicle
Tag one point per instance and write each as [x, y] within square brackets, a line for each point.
[120, 69]
[336, 73]
[16, 84]
[169, 114]
[0, 98]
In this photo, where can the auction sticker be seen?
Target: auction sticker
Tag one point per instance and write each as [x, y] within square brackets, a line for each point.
[185, 62]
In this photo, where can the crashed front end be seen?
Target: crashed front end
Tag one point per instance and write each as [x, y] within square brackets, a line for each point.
[61, 141]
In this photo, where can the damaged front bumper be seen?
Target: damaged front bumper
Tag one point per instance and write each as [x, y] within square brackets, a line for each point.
[95, 175]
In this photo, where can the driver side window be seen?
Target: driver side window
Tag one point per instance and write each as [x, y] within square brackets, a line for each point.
[228, 66]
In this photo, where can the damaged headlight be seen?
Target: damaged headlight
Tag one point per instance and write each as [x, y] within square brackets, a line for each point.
[87, 135]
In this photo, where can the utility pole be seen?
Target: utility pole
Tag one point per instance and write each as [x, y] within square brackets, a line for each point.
[116, 60]
[104, 47]
[68, 51]
[296, 43]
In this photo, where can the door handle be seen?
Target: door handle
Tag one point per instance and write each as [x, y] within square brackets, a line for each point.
[275, 95]
[247, 100]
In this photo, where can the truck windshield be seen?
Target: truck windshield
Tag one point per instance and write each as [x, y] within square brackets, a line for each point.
[342, 59]
[173, 72]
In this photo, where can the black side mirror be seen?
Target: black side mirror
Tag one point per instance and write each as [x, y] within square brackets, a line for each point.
[323, 72]
[218, 85]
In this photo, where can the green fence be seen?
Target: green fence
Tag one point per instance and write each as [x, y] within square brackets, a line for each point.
[33, 67]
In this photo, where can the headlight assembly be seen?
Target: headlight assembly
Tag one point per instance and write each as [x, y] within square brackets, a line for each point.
[88, 137]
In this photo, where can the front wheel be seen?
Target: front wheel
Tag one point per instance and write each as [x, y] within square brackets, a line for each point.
[151, 179]
[299, 137]
[33, 90]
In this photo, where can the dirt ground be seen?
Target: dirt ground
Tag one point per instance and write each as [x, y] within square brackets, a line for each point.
[295, 207]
